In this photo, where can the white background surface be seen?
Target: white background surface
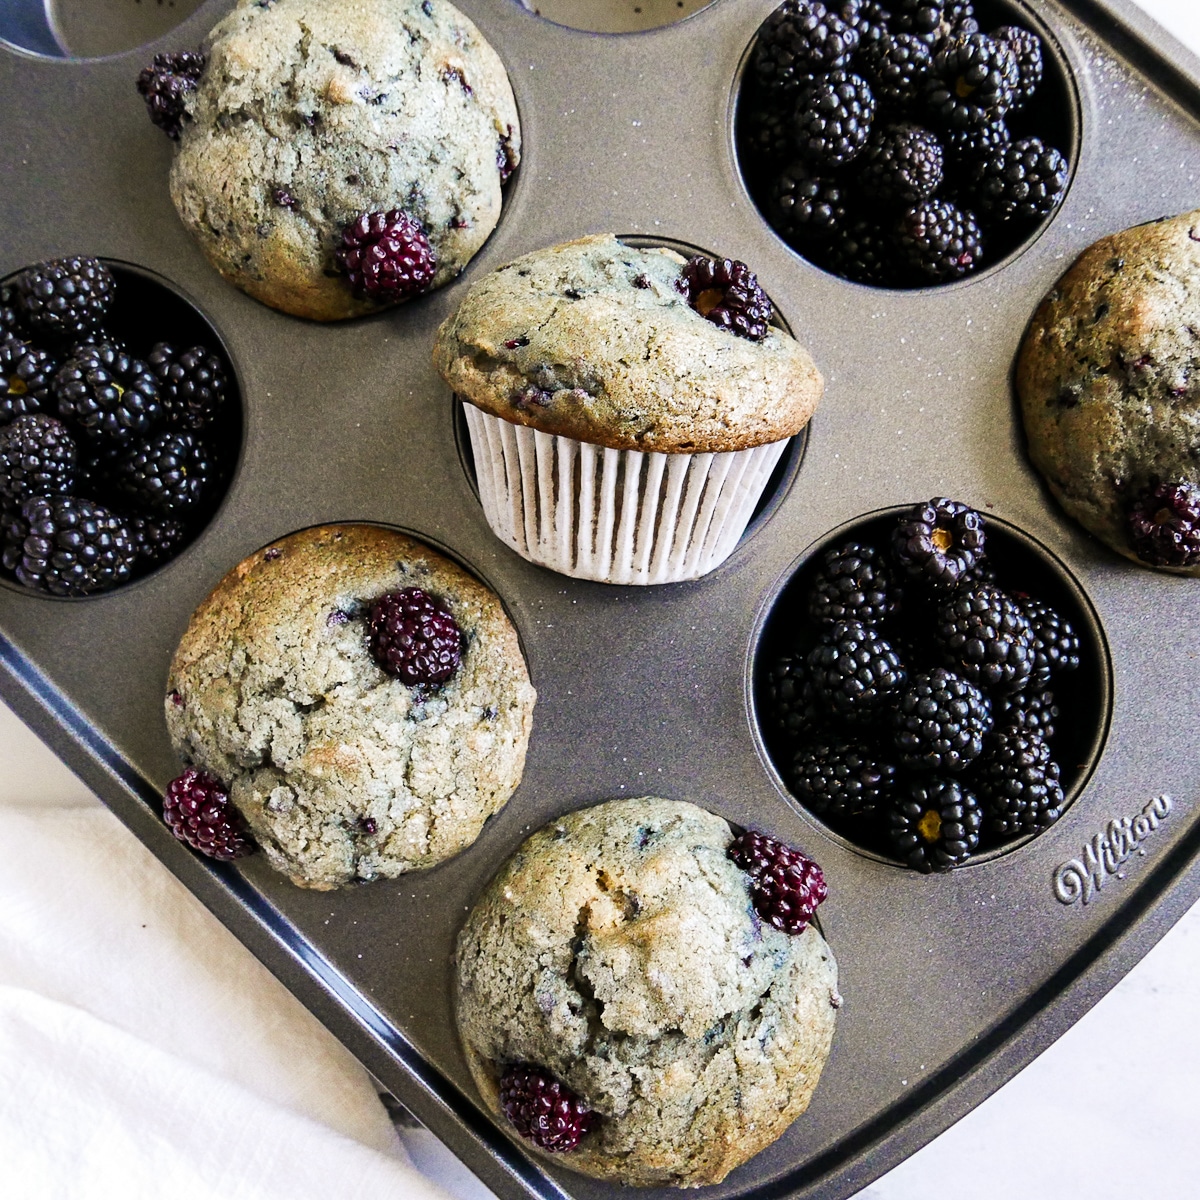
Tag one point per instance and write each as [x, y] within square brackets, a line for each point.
[1108, 1112]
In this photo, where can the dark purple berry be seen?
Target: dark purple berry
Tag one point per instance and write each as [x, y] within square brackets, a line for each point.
[833, 118]
[166, 86]
[1027, 47]
[726, 292]
[939, 542]
[197, 811]
[37, 457]
[192, 386]
[975, 80]
[543, 1110]
[854, 671]
[1164, 525]
[940, 240]
[985, 636]
[786, 885]
[902, 165]
[935, 827]
[66, 298]
[940, 721]
[1021, 181]
[167, 475]
[800, 39]
[107, 395]
[387, 256]
[26, 374]
[414, 637]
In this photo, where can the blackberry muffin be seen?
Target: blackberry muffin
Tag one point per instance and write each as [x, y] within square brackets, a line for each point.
[1109, 383]
[626, 405]
[363, 700]
[626, 1005]
[320, 140]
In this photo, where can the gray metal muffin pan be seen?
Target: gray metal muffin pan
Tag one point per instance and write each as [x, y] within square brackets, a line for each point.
[952, 983]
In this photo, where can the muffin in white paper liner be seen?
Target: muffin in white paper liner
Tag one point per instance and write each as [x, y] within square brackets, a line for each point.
[615, 516]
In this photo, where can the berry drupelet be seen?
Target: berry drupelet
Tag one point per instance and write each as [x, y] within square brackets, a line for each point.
[37, 457]
[66, 298]
[841, 780]
[197, 811]
[107, 395]
[726, 292]
[940, 241]
[542, 1110]
[940, 721]
[1021, 181]
[833, 118]
[192, 385]
[800, 39]
[935, 826]
[1164, 525]
[165, 86]
[853, 583]
[975, 80]
[855, 671]
[387, 256]
[1019, 785]
[786, 886]
[26, 374]
[168, 474]
[902, 164]
[985, 636]
[413, 636]
[939, 542]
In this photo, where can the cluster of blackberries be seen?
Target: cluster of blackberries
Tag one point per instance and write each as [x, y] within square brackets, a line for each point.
[914, 712]
[107, 463]
[890, 141]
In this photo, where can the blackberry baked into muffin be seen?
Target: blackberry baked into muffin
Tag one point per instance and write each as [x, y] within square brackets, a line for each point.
[1109, 383]
[626, 405]
[337, 155]
[630, 998]
[362, 700]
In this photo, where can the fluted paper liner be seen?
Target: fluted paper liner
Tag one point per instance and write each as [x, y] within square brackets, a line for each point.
[616, 516]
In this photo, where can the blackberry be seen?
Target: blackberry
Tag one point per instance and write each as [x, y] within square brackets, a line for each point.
[1021, 181]
[1019, 785]
[868, 18]
[166, 86]
[1055, 643]
[855, 671]
[167, 475]
[726, 292]
[833, 118]
[156, 539]
[853, 583]
[26, 374]
[897, 67]
[939, 542]
[11, 325]
[68, 546]
[940, 721]
[902, 164]
[414, 636]
[966, 148]
[1029, 711]
[386, 256]
[767, 137]
[65, 298]
[1027, 47]
[791, 705]
[840, 779]
[197, 811]
[800, 39]
[1164, 524]
[542, 1110]
[866, 253]
[191, 385]
[107, 395]
[985, 636]
[935, 827]
[37, 457]
[925, 19]
[940, 241]
[806, 205]
[786, 885]
[974, 81]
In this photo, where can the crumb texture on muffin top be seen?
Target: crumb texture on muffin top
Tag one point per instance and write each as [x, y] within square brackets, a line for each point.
[594, 340]
[1109, 377]
[311, 112]
[344, 772]
[619, 949]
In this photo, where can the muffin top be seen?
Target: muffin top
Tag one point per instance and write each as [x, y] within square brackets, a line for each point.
[311, 112]
[1109, 383]
[344, 771]
[619, 951]
[594, 340]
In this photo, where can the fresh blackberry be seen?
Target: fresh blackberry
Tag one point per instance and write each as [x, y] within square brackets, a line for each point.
[984, 571]
[1030, 711]
[197, 811]
[897, 67]
[413, 636]
[1023, 180]
[935, 827]
[26, 374]
[787, 886]
[940, 721]
[156, 539]
[1055, 643]
[726, 292]
[800, 39]
[168, 474]
[925, 19]
[65, 298]
[767, 137]
[166, 86]
[791, 705]
[1019, 785]
[11, 324]
[985, 636]
[974, 81]
[865, 253]
[833, 118]
[841, 780]
[387, 256]
[966, 148]
[108, 395]
[68, 546]
[939, 542]
[853, 583]
[37, 457]
[940, 241]
[1027, 47]
[191, 385]
[902, 164]
[542, 1110]
[855, 671]
[1164, 524]
[868, 18]
[806, 205]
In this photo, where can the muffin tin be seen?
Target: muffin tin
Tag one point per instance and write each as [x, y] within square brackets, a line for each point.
[952, 982]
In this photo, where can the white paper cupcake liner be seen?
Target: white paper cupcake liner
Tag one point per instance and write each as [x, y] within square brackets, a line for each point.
[616, 516]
